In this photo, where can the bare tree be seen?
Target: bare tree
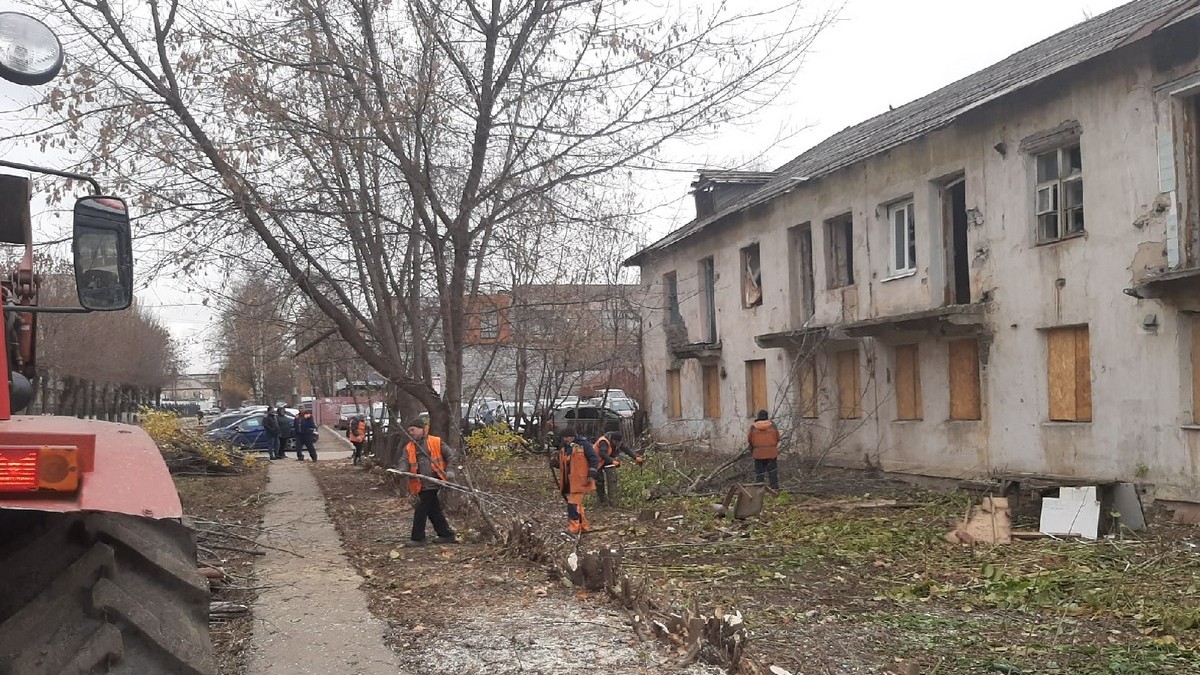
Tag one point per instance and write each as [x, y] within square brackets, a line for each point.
[373, 150]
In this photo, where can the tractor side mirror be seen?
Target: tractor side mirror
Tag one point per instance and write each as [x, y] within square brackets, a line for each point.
[103, 254]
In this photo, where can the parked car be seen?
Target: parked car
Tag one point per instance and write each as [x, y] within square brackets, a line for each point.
[348, 412]
[247, 432]
[611, 394]
[589, 420]
[625, 407]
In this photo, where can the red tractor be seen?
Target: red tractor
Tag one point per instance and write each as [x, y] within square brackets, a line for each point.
[97, 571]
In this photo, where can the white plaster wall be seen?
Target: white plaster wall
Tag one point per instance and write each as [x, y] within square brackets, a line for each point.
[1141, 394]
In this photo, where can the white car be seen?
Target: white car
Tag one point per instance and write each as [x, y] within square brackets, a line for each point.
[625, 407]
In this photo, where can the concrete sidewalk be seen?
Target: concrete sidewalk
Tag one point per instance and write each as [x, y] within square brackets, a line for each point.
[311, 616]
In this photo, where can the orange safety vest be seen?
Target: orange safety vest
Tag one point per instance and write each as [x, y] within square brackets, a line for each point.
[573, 471]
[764, 440]
[358, 432]
[434, 444]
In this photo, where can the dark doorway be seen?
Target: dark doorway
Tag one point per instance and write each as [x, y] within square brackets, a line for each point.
[954, 218]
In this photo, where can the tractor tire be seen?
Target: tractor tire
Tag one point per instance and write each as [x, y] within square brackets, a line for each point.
[100, 593]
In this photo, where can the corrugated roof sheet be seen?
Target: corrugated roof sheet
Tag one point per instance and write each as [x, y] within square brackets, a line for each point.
[1069, 48]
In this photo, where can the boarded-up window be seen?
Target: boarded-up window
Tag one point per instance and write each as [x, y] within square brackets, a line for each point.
[711, 380]
[756, 386]
[808, 389]
[674, 395]
[849, 385]
[1069, 374]
[671, 290]
[908, 383]
[1196, 369]
[964, 380]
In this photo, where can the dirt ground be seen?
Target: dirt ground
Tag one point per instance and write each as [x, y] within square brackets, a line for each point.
[232, 499]
[824, 587]
[467, 608]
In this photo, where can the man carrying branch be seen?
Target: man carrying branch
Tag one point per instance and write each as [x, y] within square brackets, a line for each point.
[426, 456]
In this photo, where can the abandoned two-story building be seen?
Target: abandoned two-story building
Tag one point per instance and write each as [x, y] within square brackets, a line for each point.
[1002, 277]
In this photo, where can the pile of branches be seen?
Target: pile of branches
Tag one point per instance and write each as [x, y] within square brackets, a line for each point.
[217, 543]
[190, 454]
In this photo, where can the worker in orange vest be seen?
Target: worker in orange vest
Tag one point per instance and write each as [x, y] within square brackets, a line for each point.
[426, 456]
[764, 448]
[577, 464]
[357, 433]
[609, 447]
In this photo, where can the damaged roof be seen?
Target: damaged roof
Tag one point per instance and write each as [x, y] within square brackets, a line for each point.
[1080, 43]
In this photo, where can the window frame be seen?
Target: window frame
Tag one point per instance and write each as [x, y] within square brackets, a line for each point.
[671, 291]
[489, 325]
[1069, 220]
[750, 257]
[903, 237]
[839, 244]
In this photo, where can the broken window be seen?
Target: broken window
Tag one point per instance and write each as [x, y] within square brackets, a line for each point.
[908, 383]
[708, 280]
[674, 396]
[839, 251]
[756, 386]
[1058, 200]
[711, 380]
[902, 221]
[803, 289]
[1069, 374]
[751, 277]
[849, 385]
[671, 290]
[964, 380]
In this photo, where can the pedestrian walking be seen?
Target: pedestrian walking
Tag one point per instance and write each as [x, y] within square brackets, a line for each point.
[271, 428]
[306, 431]
[578, 465]
[609, 447]
[764, 448]
[357, 433]
[425, 455]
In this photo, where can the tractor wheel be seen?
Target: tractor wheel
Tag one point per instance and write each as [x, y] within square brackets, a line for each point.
[100, 593]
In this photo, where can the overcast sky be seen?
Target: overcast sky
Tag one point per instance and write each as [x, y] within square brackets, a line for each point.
[879, 53]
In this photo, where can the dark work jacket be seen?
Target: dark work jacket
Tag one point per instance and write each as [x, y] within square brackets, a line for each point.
[305, 426]
[271, 424]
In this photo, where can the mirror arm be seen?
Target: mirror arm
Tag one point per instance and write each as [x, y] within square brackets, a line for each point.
[53, 172]
[34, 309]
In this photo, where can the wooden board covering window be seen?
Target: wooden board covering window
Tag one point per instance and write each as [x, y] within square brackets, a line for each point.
[1196, 369]
[964, 380]
[908, 383]
[674, 395]
[1069, 374]
[808, 389]
[756, 386]
[711, 380]
[849, 388]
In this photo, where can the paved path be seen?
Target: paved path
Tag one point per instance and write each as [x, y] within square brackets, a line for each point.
[311, 617]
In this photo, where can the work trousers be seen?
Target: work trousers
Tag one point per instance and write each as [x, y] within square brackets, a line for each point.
[429, 507]
[305, 442]
[358, 448]
[607, 486]
[273, 447]
[769, 467]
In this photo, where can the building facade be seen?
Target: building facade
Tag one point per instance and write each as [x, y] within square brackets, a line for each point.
[1002, 277]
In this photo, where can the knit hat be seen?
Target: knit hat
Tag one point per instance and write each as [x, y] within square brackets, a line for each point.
[762, 416]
